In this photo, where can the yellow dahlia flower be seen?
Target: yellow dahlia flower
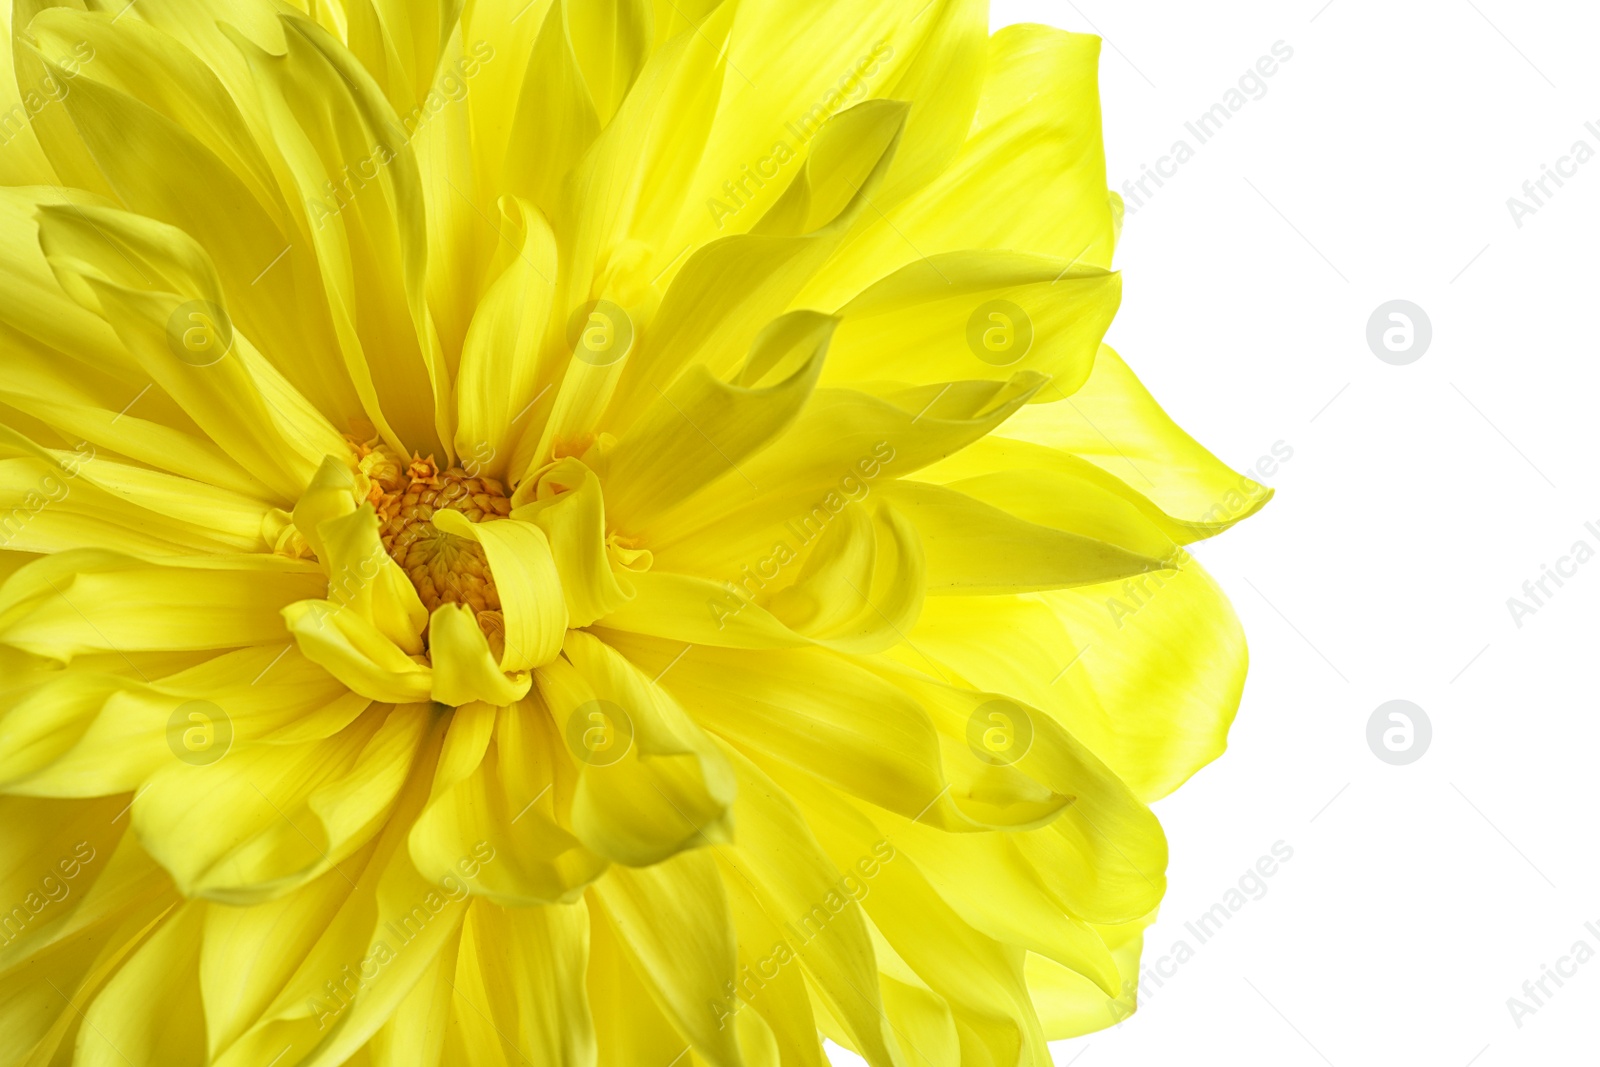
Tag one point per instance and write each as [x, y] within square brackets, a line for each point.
[578, 532]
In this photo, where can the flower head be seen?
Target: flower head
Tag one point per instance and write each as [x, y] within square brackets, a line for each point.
[589, 533]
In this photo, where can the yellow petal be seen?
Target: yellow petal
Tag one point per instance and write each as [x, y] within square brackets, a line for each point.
[556, 120]
[355, 651]
[813, 709]
[248, 953]
[651, 783]
[1151, 453]
[158, 289]
[683, 608]
[400, 43]
[82, 920]
[523, 971]
[981, 979]
[629, 1028]
[49, 503]
[943, 81]
[293, 810]
[727, 292]
[89, 404]
[1011, 902]
[94, 601]
[782, 883]
[673, 924]
[464, 669]
[569, 507]
[1033, 158]
[1147, 673]
[841, 448]
[368, 231]
[1069, 1005]
[973, 548]
[415, 1034]
[1103, 853]
[146, 95]
[501, 376]
[385, 937]
[23, 162]
[861, 587]
[976, 315]
[120, 1028]
[700, 428]
[363, 578]
[84, 733]
[41, 309]
[789, 71]
[1052, 488]
[528, 581]
[494, 828]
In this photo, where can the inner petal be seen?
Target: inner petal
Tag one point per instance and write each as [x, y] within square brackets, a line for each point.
[444, 568]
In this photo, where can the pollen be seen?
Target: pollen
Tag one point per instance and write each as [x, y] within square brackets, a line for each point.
[444, 568]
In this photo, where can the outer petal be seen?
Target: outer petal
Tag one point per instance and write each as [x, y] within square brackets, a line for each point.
[506, 790]
[1114, 423]
[667, 790]
[700, 429]
[248, 953]
[673, 924]
[147, 96]
[159, 289]
[87, 733]
[390, 914]
[933, 322]
[120, 1028]
[1033, 159]
[94, 601]
[1147, 673]
[501, 376]
[782, 883]
[522, 975]
[293, 811]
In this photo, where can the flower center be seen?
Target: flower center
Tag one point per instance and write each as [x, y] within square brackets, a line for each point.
[444, 568]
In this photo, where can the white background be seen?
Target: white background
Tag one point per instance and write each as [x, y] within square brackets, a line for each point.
[1419, 499]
